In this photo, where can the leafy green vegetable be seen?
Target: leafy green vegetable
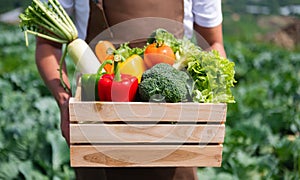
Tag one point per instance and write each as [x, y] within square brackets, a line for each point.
[213, 76]
[187, 52]
[125, 51]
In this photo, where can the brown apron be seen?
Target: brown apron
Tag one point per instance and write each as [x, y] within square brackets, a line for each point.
[133, 21]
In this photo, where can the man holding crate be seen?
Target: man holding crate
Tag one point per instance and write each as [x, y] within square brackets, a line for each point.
[92, 18]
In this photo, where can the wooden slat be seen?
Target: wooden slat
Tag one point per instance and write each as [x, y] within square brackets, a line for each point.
[139, 111]
[146, 156]
[156, 133]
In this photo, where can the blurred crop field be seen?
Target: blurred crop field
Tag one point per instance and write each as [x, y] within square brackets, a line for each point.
[262, 128]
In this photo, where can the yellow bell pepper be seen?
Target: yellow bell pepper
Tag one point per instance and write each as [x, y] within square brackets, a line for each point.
[134, 65]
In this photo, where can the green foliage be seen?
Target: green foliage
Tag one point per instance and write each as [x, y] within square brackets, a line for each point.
[213, 76]
[9, 5]
[31, 145]
[263, 126]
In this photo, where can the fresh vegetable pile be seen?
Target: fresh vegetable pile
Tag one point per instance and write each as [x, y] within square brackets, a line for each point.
[188, 73]
[168, 69]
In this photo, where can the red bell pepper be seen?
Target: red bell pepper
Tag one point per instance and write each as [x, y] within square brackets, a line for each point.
[116, 86]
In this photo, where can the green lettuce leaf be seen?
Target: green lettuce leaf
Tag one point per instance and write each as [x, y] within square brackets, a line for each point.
[213, 77]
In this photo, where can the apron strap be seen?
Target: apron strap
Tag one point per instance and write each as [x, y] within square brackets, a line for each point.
[97, 20]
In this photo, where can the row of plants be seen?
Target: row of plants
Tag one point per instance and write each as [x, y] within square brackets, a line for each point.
[31, 145]
[263, 126]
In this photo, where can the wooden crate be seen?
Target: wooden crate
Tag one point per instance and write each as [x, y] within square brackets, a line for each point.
[137, 134]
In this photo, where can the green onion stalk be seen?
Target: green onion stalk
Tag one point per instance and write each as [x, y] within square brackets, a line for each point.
[50, 21]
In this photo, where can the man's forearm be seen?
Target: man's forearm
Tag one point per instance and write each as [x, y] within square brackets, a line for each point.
[47, 60]
[213, 36]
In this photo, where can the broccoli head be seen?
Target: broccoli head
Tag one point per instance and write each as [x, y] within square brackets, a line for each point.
[163, 79]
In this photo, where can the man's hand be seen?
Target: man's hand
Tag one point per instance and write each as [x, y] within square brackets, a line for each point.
[64, 121]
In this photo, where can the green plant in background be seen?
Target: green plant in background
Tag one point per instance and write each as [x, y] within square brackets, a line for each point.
[31, 145]
[263, 126]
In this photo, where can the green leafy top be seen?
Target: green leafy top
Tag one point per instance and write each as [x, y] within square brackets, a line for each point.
[125, 51]
[213, 77]
[48, 20]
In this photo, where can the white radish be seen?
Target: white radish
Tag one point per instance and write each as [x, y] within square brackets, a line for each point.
[50, 21]
[83, 57]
